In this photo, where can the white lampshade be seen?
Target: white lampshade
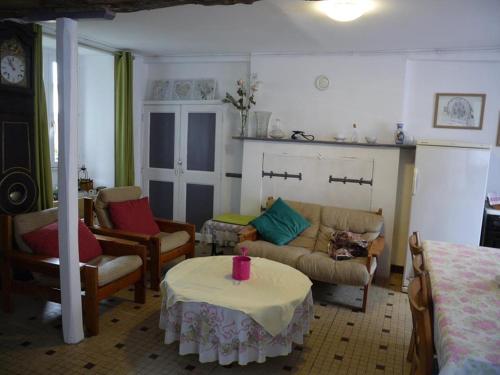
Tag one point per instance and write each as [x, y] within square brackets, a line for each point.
[345, 10]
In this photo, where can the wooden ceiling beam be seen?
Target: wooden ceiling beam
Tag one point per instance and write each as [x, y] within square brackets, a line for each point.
[43, 10]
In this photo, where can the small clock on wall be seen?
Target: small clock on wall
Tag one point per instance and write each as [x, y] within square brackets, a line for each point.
[322, 82]
[14, 63]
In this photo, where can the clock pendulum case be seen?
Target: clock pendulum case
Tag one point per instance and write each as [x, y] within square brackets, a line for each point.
[18, 187]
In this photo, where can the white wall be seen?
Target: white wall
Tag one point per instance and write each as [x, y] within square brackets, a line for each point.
[427, 77]
[366, 90]
[96, 116]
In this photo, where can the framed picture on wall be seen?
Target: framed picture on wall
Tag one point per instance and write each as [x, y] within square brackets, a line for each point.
[459, 111]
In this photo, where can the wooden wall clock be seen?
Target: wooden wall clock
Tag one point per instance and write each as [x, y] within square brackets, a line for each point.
[18, 188]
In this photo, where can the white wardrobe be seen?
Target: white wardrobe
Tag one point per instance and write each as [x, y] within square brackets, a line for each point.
[182, 161]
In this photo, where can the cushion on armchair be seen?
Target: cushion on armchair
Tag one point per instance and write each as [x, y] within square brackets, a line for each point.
[280, 224]
[114, 194]
[170, 241]
[45, 241]
[111, 268]
[133, 216]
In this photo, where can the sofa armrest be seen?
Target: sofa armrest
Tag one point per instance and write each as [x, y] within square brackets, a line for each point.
[123, 234]
[376, 247]
[170, 226]
[248, 233]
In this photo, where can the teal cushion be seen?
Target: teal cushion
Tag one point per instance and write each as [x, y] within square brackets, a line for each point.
[280, 224]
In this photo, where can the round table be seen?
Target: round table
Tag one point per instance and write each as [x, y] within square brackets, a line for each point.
[225, 320]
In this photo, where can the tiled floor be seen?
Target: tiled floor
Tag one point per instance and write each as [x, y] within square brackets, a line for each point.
[342, 341]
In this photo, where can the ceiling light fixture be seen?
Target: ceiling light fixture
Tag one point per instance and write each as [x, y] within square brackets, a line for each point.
[345, 10]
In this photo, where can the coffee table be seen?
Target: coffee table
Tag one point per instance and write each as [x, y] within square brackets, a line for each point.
[225, 320]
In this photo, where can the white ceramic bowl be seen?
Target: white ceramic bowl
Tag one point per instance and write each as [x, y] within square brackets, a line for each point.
[371, 140]
[340, 137]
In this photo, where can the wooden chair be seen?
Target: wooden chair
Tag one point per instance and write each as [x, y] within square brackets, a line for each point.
[418, 263]
[97, 283]
[175, 239]
[422, 356]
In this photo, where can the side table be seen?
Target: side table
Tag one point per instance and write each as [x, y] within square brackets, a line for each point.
[223, 230]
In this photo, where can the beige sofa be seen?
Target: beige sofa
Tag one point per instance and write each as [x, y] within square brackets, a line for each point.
[309, 251]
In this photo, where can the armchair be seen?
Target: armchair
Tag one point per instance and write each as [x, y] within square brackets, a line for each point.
[121, 264]
[174, 240]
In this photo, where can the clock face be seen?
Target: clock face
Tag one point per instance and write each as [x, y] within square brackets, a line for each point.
[13, 69]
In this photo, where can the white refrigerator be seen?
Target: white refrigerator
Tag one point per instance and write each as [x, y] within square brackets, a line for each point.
[449, 189]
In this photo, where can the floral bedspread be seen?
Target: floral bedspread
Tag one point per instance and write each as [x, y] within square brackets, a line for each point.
[466, 307]
[226, 335]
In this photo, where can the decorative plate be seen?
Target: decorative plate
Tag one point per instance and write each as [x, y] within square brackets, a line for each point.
[204, 89]
[182, 89]
[322, 82]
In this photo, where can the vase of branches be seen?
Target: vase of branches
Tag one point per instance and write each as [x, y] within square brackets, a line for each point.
[245, 99]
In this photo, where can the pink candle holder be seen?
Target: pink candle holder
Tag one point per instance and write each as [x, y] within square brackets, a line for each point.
[241, 266]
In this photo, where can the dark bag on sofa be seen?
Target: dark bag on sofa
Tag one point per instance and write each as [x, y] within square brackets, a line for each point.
[345, 245]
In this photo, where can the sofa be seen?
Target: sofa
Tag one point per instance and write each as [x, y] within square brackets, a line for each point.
[308, 252]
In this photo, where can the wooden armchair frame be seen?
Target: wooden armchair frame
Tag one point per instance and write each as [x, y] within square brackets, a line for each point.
[375, 249]
[92, 293]
[154, 255]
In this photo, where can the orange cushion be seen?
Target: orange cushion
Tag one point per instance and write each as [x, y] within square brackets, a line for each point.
[134, 216]
[45, 241]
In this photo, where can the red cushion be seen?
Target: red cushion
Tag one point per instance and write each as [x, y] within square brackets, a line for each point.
[134, 216]
[45, 241]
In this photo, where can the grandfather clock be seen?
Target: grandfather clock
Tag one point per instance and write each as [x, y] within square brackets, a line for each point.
[18, 187]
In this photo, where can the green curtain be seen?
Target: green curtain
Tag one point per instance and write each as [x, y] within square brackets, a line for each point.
[41, 129]
[124, 137]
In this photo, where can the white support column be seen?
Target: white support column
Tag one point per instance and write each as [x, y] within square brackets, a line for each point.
[67, 68]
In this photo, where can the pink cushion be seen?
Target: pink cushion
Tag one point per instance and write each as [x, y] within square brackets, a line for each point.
[133, 216]
[45, 241]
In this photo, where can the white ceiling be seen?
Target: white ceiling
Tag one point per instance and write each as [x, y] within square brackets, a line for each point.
[289, 26]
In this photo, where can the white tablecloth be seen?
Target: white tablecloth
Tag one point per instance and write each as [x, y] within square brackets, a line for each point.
[270, 296]
[222, 319]
[466, 307]
[224, 335]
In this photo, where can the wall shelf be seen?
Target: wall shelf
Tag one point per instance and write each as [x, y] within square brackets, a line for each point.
[324, 142]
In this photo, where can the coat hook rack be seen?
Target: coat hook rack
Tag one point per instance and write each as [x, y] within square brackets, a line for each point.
[285, 175]
[345, 180]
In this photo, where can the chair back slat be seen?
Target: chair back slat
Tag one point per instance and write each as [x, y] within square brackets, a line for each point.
[420, 311]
